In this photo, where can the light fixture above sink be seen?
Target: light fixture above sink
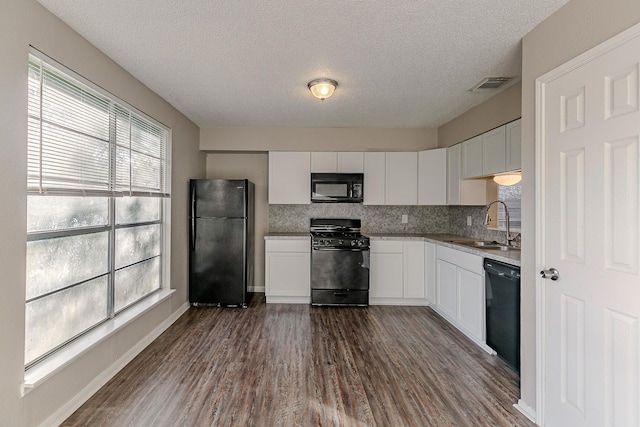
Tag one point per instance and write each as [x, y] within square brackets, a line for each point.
[508, 179]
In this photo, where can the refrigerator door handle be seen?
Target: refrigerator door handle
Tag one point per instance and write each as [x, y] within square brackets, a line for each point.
[193, 217]
[193, 201]
[193, 234]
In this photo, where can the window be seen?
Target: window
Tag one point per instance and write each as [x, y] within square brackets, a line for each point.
[511, 195]
[97, 189]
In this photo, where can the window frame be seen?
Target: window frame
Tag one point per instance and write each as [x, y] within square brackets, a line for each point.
[112, 195]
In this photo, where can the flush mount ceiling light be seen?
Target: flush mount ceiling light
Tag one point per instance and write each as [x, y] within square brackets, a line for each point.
[322, 88]
[508, 179]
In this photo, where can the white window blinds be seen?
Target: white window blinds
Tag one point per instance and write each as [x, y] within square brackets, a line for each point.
[81, 140]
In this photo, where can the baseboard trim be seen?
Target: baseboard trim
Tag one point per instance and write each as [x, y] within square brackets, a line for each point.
[483, 345]
[526, 410]
[255, 289]
[288, 300]
[79, 399]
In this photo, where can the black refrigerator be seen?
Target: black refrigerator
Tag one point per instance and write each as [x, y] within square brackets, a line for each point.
[221, 242]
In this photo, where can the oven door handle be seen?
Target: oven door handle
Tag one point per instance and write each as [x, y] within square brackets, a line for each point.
[343, 249]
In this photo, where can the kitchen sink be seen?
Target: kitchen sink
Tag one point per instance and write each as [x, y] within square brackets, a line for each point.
[484, 244]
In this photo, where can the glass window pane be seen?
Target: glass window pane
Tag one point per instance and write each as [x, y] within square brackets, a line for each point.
[73, 160]
[136, 244]
[54, 319]
[133, 283]
[130, 210]
[512, 196]
[59, 213]
[63, 261]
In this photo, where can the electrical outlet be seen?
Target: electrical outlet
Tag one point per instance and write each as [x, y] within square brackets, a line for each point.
[469, 222]
[405, 219]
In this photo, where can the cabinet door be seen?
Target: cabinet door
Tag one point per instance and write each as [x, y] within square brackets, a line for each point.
[324, 162]
[386, 275]
[459, 191]
[430, 271]
[514, 138]
[401, 178]
[453, 174]
[289, 178]
[472, 157]
[432, 177]
[287, 274]
[494, 151]
[413, 259]
[471, 303]
[350, 162]
[374, 178]
[447, 288]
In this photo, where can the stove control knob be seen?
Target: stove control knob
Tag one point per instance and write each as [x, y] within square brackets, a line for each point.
[354, 243]
[362, 242]
[340, 242]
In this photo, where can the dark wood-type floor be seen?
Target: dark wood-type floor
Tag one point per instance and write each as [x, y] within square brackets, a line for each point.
[297, 365]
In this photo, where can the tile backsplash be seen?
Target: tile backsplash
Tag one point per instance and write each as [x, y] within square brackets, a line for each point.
[375, 219]
[387, 219]
[458, 223]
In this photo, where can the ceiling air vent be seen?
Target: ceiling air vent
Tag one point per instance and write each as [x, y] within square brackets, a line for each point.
[490, 83]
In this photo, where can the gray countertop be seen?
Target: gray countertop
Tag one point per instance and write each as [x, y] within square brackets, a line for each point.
[286, 236]
[510, 257]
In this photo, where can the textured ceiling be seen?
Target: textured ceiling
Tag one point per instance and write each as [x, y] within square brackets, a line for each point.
[230, 63]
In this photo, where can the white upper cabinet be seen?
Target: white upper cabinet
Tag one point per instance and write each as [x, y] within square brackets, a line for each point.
[454, 154]
[289, 177]
[472, 157]
[401, 178]
[374, 178]
[494, 158]
[350, 162]
[514, 154]
[493, 152]
[459, 191]
[337, 162]
[324, 162]
[432, 177]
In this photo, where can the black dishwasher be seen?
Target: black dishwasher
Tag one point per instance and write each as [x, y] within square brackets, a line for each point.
[502, 296]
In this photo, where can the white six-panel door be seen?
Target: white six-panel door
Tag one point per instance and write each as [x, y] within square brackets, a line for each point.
[590, 129]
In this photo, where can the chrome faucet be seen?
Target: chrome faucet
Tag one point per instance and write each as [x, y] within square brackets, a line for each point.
[510, 239]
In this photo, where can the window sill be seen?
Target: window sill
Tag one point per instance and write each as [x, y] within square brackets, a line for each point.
[40, 372]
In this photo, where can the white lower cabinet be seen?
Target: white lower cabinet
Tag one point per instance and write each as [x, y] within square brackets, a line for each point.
[385, 279]
[287, 271]
[447, 289]
[460, 292]
[471, 303]
[397, 275]
[430, 272]
[386, 270]
[413, 268]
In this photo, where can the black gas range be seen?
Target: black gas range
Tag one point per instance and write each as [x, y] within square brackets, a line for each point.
[339, 262]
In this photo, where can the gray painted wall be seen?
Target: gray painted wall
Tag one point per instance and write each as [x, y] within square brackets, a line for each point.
[24, 23]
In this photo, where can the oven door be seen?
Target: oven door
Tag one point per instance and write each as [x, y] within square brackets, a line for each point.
[340, 269]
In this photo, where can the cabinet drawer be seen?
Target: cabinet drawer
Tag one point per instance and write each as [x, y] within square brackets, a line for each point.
[461, 259]
[300, 245]
[342, 297]
[386, 246]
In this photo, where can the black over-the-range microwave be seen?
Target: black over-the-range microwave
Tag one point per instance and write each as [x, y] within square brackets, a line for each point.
[337, 187]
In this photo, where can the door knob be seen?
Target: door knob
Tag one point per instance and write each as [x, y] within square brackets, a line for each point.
[551, 273]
